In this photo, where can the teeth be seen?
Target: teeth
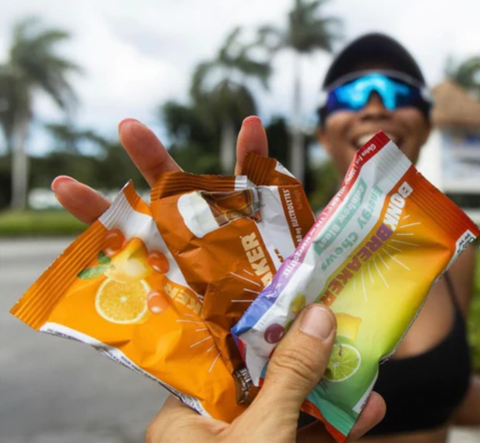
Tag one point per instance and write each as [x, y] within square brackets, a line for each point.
[367, 137]
[364, 139]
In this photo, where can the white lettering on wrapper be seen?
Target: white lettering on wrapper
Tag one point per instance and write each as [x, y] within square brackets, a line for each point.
[396, 205]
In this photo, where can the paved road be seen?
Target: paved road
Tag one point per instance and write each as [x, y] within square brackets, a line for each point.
[58, 391]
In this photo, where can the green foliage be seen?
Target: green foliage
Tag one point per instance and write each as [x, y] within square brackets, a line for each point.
[39, 223]
[5, 182]
[33, 65]
[202, 132]
[195, 160]
[83, 168]
[33, 55]
[279, 140]
[15, 102]
[325, 185]
[229, 70]
[307, 29]
[474, 318]
[103, 259]
[68, 138]
[190, 128]
[465, 74]
[96, 271]
[110, 171]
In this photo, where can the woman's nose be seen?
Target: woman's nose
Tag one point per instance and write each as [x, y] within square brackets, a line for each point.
[374, 109]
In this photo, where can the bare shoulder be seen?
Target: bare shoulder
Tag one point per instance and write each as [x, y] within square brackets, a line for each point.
[462, 274]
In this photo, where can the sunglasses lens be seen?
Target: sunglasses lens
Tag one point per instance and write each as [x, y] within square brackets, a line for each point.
[355, 94]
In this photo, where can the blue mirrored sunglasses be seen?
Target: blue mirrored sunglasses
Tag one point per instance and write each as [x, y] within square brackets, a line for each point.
[395, 92]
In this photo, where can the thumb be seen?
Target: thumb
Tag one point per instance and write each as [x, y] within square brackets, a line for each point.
[297, 365]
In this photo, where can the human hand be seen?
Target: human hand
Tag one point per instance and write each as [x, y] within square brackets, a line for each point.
[151, 158]
[296, 366]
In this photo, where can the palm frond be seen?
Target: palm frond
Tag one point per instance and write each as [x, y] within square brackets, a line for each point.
[234, 62]
[70, 139]
[231, 42]
[309, 29]
[232, 100]
[466, 74]
[33, 56]
[200, 77]
[22, 28]
[16, 100]
[271, 38]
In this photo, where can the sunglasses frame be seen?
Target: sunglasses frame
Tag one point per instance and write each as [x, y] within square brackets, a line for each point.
[425, 93]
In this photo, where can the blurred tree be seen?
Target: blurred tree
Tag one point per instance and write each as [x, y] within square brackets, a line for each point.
[307, 30]
[67, 138]
[465, 74]
[32, 65]
[109, 171]
[219, 88]
[14, 103]
[5, 181]
[324, 182]
[82, 167]
[279, 139]
[194, 136]
[189, 125]
[116, 167]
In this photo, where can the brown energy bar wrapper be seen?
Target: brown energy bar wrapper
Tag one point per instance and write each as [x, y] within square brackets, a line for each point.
[228, 236]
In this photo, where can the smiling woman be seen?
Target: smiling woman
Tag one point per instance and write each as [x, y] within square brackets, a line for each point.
[375, 84]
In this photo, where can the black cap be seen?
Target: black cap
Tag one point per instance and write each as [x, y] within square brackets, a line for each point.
[373, 48]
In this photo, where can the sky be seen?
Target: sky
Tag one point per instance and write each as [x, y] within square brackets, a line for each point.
[138, 54]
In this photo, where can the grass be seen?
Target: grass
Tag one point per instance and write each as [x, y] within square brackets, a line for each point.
[39, 223]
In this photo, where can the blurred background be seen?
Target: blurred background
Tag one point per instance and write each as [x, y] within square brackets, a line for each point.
[192, 71]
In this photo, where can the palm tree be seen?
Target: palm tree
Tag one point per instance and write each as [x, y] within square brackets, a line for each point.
[32, 66]
[307, 30]
[70, 139]
[465, 74]
[220, 87]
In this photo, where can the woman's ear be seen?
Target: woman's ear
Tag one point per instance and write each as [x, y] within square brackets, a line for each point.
[322, 138]
[426, 134]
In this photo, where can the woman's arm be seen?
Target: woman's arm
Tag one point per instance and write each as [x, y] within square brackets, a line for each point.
[468, 414]
[463, 273]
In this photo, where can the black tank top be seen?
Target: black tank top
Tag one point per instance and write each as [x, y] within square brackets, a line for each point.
[423, 391]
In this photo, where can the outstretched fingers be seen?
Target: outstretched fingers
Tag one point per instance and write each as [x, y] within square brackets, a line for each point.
[145, 149]
[251, 138]
[80, 200]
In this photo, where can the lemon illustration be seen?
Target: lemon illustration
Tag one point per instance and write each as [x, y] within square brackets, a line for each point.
[344, 362]
[347, 325]
[122, 303]
[130, 264]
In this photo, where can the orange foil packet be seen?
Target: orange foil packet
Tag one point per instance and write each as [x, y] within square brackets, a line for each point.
[121, 287]
[118, 289]
[229, 235]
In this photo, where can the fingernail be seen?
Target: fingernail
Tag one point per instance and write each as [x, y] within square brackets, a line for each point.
[60, 179]
[317, 322]
[128, 120]
[252, 120]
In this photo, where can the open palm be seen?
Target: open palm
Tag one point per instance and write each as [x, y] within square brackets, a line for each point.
[151, 158]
